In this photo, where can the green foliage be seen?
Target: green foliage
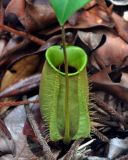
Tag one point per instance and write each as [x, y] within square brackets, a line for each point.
[52, 93]
[65, 8]
[64, 96]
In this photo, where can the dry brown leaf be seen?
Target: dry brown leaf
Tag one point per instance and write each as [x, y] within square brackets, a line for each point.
[84, 20]
[32, 15]
[22, 69]
[102, 82]
[113, 52]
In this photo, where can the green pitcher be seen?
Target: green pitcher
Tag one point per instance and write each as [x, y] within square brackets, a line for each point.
[52, 93]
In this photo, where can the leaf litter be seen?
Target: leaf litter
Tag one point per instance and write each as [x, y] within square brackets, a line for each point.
[101, 30]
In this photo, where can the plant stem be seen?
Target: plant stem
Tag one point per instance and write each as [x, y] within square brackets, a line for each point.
[67, 117]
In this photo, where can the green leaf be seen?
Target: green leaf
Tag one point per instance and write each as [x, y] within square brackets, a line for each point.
[65, 8]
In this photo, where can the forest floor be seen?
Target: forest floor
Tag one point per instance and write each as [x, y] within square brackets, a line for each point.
[27, 29]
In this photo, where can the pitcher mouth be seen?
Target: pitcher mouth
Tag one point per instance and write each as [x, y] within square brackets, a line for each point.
[76, 56]
[71, 69]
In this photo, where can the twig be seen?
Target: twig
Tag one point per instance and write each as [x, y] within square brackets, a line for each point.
[4, 130]
[110, 110]
[22, 34]
[71, 153]
[13, 103]
[100, 135]
[46, 149]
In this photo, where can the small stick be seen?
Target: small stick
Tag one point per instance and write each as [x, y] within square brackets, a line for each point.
[110, 110]
[71, 153]
[100, 135]
[13, 103]
[46, 149]
[22, 34]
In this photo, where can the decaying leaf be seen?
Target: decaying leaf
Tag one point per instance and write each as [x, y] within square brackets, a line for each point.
[113, 51]
[23, 68]
[103, 81]
[23, 86]
[99, 30]
[33, 16]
